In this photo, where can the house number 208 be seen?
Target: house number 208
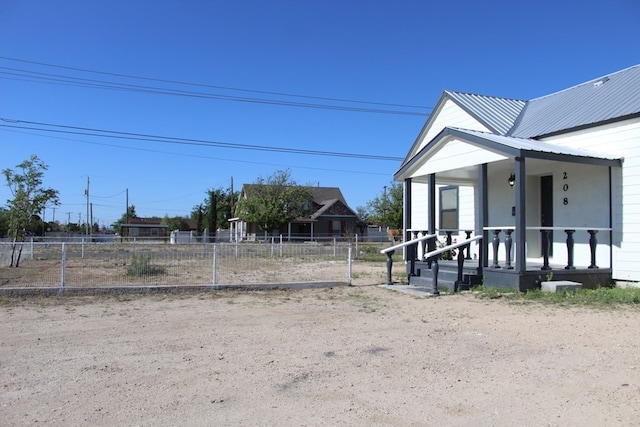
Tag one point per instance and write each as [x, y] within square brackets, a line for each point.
[565, 187]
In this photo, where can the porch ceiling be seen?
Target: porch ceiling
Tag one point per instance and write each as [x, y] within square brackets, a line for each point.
[454, 154]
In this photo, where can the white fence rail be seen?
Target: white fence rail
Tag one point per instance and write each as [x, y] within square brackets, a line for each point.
[149, 264]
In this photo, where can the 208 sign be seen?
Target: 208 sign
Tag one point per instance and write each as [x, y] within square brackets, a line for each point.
[565, 188]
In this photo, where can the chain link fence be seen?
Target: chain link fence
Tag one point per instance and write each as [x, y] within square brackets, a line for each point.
[156, 264]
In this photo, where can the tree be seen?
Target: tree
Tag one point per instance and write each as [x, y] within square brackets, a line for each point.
[175, 223]
[363, 218]
[218, 200]
[29, 199]
[274, 202]
[124, 219]
[4, 222]
[386, 209]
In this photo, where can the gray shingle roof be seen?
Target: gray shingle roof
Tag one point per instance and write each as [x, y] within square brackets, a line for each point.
[498, 114]
[606, 98]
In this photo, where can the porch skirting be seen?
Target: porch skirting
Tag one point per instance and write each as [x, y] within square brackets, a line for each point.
[532, 279]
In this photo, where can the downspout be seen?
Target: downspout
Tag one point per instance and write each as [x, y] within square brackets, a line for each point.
[611, 224]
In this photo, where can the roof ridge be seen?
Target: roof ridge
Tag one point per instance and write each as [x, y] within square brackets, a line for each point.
[483, 95]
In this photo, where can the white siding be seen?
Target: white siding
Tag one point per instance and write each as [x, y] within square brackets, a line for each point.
[419, 206]
[456, 154]
[450, 115]
[420, 209]
[622, 139]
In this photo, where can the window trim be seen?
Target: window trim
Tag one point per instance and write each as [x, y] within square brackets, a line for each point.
[456, 209]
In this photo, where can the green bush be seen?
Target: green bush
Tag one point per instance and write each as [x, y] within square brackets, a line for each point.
[141, 266]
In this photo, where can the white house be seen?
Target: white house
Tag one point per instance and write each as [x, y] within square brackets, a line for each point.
[562, 168]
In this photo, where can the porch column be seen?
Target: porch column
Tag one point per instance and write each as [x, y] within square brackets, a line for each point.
[431, 244]
[521, 220]
[410, 251]
[407, 209]
[483, 215]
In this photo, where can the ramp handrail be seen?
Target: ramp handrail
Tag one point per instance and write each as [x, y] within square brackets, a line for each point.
[432, 257]
[451, 247]
[407, 243]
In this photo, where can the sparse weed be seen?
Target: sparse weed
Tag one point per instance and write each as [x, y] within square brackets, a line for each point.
[600, 297]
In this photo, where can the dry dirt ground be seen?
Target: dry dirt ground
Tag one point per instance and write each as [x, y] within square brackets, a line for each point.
[358, 355]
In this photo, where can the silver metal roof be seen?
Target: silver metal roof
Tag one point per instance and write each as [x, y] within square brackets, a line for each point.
[498, 114]
[606, 98]
[527, 145]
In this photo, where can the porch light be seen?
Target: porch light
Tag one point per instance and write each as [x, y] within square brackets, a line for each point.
[512, 180]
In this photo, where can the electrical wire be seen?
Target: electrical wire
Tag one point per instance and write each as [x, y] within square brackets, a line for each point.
[351, 171]
[20, 74]
[77, 130]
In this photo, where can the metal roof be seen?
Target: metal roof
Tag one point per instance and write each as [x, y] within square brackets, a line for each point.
[512, 146]
[606, 98]
[498, 114]
[528, 146]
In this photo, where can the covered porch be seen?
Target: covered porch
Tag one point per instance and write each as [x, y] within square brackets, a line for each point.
[538, 211]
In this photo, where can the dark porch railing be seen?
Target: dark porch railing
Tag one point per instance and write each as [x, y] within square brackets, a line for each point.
[546, 242]
[431, 257]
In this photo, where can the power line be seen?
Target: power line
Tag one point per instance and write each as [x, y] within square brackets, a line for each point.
[83, 82]
[351, 171]
[77, 130]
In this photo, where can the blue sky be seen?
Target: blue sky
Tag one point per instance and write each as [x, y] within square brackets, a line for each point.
[326, 52]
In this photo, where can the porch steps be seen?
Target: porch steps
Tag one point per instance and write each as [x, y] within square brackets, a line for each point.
[447, 276]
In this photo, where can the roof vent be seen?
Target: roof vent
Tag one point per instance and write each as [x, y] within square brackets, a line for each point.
[601, 82]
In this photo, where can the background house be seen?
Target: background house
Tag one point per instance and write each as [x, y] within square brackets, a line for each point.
[150, 228]
[329, 216]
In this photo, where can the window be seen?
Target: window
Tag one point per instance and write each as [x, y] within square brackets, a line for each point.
[335, 227]
[449, 208]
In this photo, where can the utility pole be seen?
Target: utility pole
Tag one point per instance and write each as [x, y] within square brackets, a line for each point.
[213, 216]
[86, 192]
[126, 214]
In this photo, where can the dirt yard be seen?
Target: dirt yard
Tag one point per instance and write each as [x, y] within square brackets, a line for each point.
[357, 355]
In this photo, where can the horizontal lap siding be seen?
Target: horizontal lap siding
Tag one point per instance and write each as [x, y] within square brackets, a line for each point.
[450, 115]
[621, 139]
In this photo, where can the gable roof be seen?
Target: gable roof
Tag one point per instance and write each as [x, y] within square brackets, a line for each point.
[497, 114]
[610, 98]
[333, 205]
[324, 198]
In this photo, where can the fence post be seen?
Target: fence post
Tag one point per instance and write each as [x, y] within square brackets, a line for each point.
[357, 251]
[83, 248]
[334, 247]
[350, 265]
[281, 246]
[215, 261]
[31, 248]
[63, 264]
